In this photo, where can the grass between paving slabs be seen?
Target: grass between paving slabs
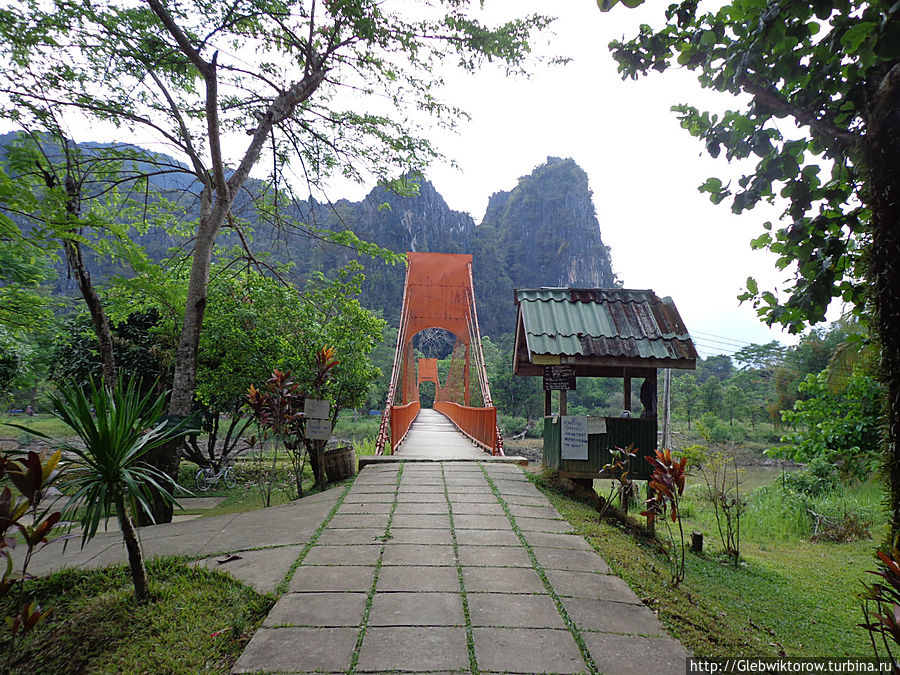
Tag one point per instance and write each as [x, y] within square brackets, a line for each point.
[470, 635]
[570, 624]
[282, 587]
[197, 621]
[795, 597]
[370, 597]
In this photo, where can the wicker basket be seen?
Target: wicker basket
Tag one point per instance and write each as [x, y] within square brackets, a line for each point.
[340, 463]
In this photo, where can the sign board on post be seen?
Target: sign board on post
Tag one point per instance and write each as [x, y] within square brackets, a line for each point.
[319, 430]
[316, 409]
[574, 437]
[559, 377]
[318, 424]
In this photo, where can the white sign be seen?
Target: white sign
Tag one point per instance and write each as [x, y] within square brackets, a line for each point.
[316, 409]
[319, 430]
[574, 437]
[596, 425]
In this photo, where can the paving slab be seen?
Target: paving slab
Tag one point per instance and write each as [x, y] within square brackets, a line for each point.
[493, 556]
[420, 521]
[369, 498]
[421, 508]
[543, 525]
[527, 650]
[520, 511]
[429, 536]
[365, 508]
[612, 617]
[363, 554]
[413, 650]
[378, 521]
[591, 585]
[418, 579]
[421, 498]
[633, 655]
[525, 500]
[487, 538]
[263, 568]
[418, 555]
[564, 559]
[316, 578]
[556, 540]
[476, 509]
[292, 650]
[474, 497]
[417, 609]
[514, 611]
[324, 610]
[501, 580]
[481, 522]
[350, 536]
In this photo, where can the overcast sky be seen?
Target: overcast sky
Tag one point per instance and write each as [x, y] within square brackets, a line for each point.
[643, 168]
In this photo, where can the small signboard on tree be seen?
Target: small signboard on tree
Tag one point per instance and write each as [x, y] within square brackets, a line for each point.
[559, 378]
[318, 424]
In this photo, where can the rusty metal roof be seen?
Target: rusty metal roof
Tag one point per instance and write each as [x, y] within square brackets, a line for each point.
[604, 323]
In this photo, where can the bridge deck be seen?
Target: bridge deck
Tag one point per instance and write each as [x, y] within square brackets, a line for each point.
[433, 436]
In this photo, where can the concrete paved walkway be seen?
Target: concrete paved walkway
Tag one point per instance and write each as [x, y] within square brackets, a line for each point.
[455, 567]
[419, 567]
[433, 436]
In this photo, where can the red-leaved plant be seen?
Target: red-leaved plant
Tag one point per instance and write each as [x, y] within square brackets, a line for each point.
[881, 607]
[278, 410]
[33, 479]
[667, 485]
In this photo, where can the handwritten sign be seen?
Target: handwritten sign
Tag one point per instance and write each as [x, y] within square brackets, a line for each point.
[316, 409]
[319, 430]
[574, 437]
[559, 377]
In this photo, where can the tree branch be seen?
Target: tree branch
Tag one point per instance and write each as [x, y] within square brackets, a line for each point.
[848, 140]
[183, 42]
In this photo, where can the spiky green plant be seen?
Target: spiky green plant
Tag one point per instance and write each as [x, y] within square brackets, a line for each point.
[117, 428]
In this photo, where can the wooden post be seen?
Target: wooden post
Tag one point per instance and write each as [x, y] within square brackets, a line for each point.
[666, 416]
[562, 402]
[697, 542]
[626, 394]
[548, 403]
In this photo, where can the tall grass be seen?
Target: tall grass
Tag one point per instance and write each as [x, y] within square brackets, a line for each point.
[776, 513]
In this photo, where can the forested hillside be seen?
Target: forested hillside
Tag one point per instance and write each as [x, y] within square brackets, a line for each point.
[543, 232]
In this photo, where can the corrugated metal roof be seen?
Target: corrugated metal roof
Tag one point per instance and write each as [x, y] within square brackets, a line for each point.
[603, 322]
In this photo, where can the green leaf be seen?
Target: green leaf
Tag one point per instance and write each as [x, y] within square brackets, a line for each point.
[856, 35]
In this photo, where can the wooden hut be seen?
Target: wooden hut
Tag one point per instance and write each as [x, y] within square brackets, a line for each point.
[563, 334]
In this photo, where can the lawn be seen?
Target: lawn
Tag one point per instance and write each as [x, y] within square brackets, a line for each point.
[787, 596]
[197, 621]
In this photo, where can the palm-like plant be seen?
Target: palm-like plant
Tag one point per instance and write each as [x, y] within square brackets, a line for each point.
[117, 427]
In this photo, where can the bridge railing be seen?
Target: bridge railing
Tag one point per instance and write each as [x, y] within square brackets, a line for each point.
[479, 424]
[402, 417]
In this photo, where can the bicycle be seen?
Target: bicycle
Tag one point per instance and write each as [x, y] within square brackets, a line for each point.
[207, 478]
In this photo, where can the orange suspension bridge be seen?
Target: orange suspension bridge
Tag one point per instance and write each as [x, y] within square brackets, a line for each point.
[439, 293]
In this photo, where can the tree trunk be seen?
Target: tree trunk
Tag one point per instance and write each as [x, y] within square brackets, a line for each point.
[167, 457]
[135, 556]
[883, 155]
